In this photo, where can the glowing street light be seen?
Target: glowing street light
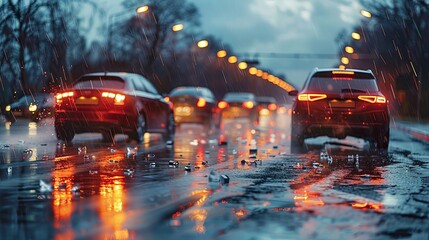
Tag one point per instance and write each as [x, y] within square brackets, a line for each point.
[253, 71]
[265, 75]
[356, 35]
[342, 67]
[259, 73]
[202, 43]
[142, 9]
[349, 49]
[221, 54]
[177, 27]
[242, 65]
[365, 13]
[344, 60]
[232, 59]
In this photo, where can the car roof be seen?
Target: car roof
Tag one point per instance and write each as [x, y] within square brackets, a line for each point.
[191, 88]
[123, 75]
[315, 70]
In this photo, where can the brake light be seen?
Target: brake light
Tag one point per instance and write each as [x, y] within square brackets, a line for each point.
[248, 104]
[60, 96]
[118, 99]
[311, 97]
[343, 72]
[201, 102]
[372, 99]
[222, 104]
[272, 106]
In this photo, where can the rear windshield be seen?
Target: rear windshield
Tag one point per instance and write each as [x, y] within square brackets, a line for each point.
[186, 91]
[340, 85]
[265, 100]
[239, 97]
[100, 82]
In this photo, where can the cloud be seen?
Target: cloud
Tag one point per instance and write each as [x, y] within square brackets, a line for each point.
[280, 26]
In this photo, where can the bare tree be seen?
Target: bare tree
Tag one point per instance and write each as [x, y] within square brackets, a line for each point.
[396, 39]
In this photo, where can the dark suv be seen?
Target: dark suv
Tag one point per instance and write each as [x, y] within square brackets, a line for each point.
[112, 103]
[339, 103]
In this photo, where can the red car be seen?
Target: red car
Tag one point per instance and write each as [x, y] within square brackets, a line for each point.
[112, 103]
[339, 103]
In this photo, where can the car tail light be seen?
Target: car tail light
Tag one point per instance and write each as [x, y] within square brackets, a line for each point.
[248, 104]
[222, 104]
[343, 72]
[201, 102]
[272, 106]
[372, 99]
[118, 99]
[282, 110]
[60, 96]
[311, 97]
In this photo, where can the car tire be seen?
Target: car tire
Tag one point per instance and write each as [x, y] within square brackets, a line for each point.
[382, 138]
[64, 132]
[139, 129]
[170, 129]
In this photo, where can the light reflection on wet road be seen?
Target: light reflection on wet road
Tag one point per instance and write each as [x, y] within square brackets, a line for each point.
[105, 193]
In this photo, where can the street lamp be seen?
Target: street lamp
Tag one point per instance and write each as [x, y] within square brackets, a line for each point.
[242, 65]
[232, 59]
[259, 73]
[342, 67]
[349, 49]
[344, 60]
[365, 13]
[355, 35]
[142, 9]
[253, 70]
[265, 75]
[177, 27]
[202, 43]
[221, 54]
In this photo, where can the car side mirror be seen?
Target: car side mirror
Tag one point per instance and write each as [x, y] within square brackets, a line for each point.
[293, 93]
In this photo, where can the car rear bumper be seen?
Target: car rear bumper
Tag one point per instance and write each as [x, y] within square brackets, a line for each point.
[96, 121]
[191, 119]
[342, 124]
[237, 112]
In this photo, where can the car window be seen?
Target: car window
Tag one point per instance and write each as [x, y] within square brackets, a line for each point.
[197, 92]
[138, 85]
[319, 84]
[148, 86]
[239, 97]
[100, 82]
[208, 94]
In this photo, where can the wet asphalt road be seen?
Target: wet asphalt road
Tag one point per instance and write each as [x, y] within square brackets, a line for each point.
[105, 193]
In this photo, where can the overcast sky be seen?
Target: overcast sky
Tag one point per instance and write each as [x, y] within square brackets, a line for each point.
[277, 26]
[280, 26]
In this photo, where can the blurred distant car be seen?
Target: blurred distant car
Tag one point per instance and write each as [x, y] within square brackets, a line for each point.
[238, 105]
[339, 103]
[266, 106]
[112, 103]
[35, 107]
[194, 105]
[284, 109]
